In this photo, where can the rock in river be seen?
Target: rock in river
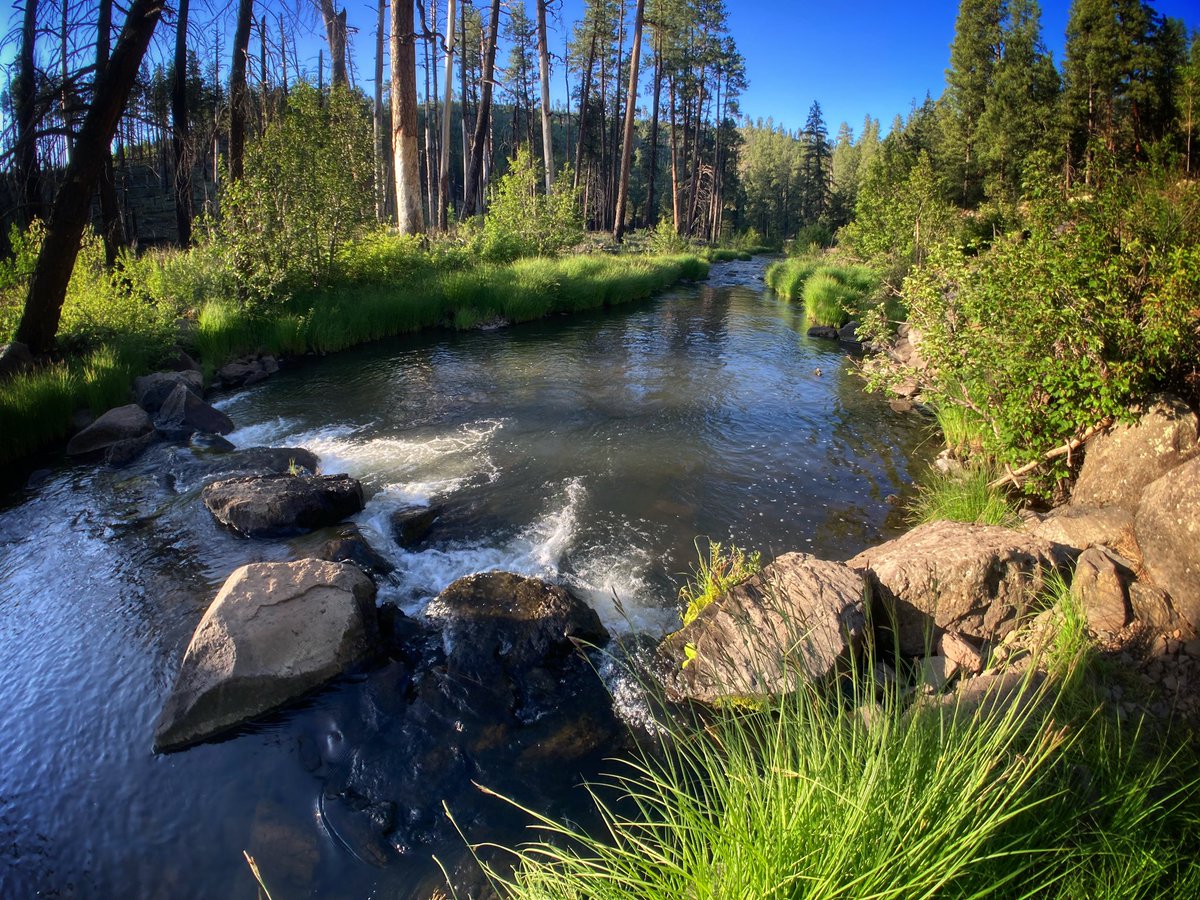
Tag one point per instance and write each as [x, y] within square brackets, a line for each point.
[274, 632]
[125, 423]
[283, 504]
[798, 618]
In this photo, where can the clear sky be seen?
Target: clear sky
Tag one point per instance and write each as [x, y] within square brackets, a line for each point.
[856, 58]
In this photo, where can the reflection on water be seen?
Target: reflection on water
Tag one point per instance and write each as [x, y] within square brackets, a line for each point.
[592, 451]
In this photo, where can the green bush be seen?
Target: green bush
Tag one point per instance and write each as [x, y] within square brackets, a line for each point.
[1091, 308]
[522, 220]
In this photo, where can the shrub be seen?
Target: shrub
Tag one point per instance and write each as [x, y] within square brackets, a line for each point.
[523, 221]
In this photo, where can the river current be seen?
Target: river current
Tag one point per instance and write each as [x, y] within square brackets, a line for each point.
[596, 451]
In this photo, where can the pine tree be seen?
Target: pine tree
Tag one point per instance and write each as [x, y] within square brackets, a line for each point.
[973, 57]
[816, 168]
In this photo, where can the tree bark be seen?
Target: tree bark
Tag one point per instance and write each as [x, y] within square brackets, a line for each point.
[73, 200]
[111, 222]
[635, 53]
[377, 119]
[404, 119]
[179, 136]
[544, 72]
[24, 95]
[473, 196]
[674, 155]
[584, 96]
[335, 32]
[652, 168]
[237, 89]
[447, 109]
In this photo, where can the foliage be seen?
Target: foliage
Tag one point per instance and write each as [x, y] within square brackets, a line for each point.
[665, 239]
[715, 574]
[832, 293]
[827, 299]
[523, 221]
[1092, 307]
[307, 190]
[962, 497]
[806, 796]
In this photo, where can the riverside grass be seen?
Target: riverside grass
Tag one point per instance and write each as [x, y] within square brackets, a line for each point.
[807, 797]
[389, 287]
[967, 496]
[832, 293]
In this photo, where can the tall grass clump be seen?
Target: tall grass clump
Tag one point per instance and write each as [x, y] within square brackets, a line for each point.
[827, 300]
[962, 428]
[787, 277]
[966, 496]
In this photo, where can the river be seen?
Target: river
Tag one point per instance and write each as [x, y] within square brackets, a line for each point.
[593, 451]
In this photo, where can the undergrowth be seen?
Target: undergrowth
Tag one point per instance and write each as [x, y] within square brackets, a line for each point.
[965, 496]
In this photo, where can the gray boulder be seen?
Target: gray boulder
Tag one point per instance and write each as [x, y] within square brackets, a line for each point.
[183, 414]
[274, 632]
[1120, 463]
[263, 506]
[15, 359]
[1168, 530]
[189, 466]
[153, 390]
[823, 331]
[1101, 587]
[246, 372]
[412, 524]
[975, 579]
[1082, 527]
[848, 333]
[799, 619]
[124, 423]
[348, 544]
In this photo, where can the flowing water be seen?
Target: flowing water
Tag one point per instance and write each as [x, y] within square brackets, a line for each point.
[592, 451]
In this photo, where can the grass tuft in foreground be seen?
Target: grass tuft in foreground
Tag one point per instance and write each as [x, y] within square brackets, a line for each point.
[714, 574]
[866, 795]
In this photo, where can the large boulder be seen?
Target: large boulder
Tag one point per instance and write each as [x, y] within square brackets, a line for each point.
[183, 414]
[976, 579]
[799, 618]
[125, 423]
[15, 359]
[1120, 463]
[501, 625]
[1082, 527]
[1101, 585]
[274, 632]
[1168, 530]
[153, 390]
[189, 466]
[264, 506]
[246, 372]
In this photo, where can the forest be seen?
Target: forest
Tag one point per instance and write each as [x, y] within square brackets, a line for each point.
[548, 317]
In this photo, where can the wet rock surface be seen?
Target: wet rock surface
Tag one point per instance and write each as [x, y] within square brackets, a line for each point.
[493, 688]
[201, 462]
[124, 423]
[153, 390]
[272, 505]
[274, 632]
[183, 413]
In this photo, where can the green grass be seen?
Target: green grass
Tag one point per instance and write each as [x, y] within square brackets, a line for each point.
[827, 300]
[386, 286]
[714, 574]
[832, 294]
[964, 497]
[962, 428]
[806, 798]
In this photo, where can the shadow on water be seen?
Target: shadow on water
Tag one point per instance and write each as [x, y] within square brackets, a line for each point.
[591, 451]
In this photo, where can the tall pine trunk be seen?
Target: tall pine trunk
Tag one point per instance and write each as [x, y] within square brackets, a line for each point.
[237, 90]
[473, 196]
[447, 109]
[652, 168]
[635, 53]
[73, 200]
[24, 96]
[544, 73]
[179, 135]
[584, 97]
[404, 119]
[377, 118]
[111, 223]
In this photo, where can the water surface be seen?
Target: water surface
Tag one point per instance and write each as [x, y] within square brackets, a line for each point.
[592, 451]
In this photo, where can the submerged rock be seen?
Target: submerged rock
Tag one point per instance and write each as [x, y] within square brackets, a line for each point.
[274, 632]
[246, 372]
[1122, 462]
[800, 618]
[124, 423]
[976, 579]
[823, 331]
[411, 525]
[349, 545]
[263, 506]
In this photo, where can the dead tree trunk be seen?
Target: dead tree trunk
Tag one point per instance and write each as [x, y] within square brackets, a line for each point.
[237, 89]
[179, 136]
[473, 197]
[635, 53]
[544, 72]
[111, 223]
[73, 200]
[404, 119]
[377, 119]
[335, 31]
[24, 96]
[444, 168]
